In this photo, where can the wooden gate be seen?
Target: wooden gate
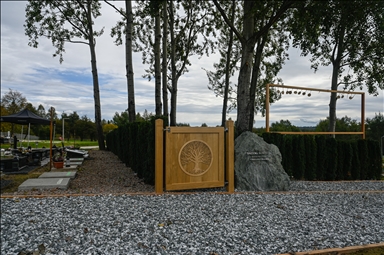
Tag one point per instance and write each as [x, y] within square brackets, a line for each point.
[194, 157]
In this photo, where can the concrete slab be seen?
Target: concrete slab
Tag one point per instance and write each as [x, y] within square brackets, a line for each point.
[65, 168]
[77, 159]
[77, 163]
[71, 174]
[45, 183]
[44, 162]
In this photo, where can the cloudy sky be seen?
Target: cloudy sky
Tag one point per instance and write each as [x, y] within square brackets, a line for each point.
[68, 86]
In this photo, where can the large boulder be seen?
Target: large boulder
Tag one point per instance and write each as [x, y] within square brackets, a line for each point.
[258, 165]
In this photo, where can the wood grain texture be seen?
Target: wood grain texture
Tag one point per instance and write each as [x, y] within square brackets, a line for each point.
[194, 157]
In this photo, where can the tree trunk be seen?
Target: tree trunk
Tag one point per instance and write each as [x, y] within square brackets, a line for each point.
[336, 60]
[255, 77]
[227, 69]
[173, 68]
[96, 90]
[158, 106]
[164, 64]
[248, 45]
[332, 103]
[129, 62]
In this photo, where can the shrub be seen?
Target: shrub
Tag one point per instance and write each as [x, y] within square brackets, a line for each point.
[331, 159]
[321, 157]
[363, 157]
[298, 157]
[310, 157]
[355, 162]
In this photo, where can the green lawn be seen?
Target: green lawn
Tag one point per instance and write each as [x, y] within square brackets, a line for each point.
[46, 144]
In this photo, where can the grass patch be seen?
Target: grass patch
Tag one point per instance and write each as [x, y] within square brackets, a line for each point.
[46, 144]
[368, 251]
[18, 179]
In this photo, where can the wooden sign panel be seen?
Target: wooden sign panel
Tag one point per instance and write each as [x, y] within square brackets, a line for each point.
[194, 157]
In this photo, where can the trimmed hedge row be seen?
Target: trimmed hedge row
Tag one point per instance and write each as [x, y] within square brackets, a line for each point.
[134, 144]
[305, 157]
[308, 157]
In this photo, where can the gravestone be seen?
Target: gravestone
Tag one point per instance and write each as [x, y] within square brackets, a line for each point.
[258, 165]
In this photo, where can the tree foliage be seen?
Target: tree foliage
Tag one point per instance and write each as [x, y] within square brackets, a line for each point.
[375, 127]
[189, 35]
[349, 35]
[13, 102]
[252, 30]
[125, 26]
[67, 21]
[284, 125]
[61, 22]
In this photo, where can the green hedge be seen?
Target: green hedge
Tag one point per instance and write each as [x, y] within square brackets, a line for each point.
[134, 144]
[307, 157]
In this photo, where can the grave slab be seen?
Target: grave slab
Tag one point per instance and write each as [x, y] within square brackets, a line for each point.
[70, 174]
[77, 159]
[45, 183]
[65, 168]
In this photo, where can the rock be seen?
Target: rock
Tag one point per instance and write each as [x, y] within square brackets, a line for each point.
[258, 165]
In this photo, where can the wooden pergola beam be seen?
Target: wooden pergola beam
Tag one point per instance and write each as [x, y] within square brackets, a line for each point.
[362, 133]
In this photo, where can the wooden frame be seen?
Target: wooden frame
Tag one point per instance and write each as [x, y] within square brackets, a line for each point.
[177, 150]
[362, 132]
[230, 156]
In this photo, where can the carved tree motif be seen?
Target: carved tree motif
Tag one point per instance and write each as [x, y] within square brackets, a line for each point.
[198, 153]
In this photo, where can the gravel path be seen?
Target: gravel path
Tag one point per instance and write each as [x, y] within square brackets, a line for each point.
[201, 223]
[102, 173]
[306, 218]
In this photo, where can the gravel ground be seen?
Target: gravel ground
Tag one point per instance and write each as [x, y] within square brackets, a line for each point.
[348, 213]
[201, 223]
[102, 173]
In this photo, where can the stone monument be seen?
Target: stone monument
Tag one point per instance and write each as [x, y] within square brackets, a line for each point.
[258, 165]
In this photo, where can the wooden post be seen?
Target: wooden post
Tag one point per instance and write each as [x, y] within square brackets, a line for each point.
[230, 156]
[159, 156]
[363, 114]
[267, 109]
[362, 132]
[50, 140]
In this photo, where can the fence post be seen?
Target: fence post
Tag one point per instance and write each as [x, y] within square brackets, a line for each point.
[230, 156]
[159, 156]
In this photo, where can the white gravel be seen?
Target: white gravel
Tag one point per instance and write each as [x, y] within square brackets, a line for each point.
[200, 223]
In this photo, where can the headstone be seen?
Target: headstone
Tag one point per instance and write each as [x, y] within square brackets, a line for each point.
[258, 165]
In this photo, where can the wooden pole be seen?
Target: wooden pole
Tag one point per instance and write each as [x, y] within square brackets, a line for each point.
[312, 89]
[363, 114]
[267, 109]
[50, 141]
[362, 132]
[230, 156]
[159, 156]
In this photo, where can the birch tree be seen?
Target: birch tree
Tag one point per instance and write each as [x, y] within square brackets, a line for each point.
[67, 22]
[189, 30]
[248, 35]
[349, 36]
[125, 26]
[256, 20]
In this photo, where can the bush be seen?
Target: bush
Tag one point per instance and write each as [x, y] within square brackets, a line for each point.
[287, 156]
[375, 160]
[347, 162]
[355, 164]
[331, 159]
[321, 157]
[339, 175]
[134, 144]
[298, 157]
[363, 157]
[310, 157]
